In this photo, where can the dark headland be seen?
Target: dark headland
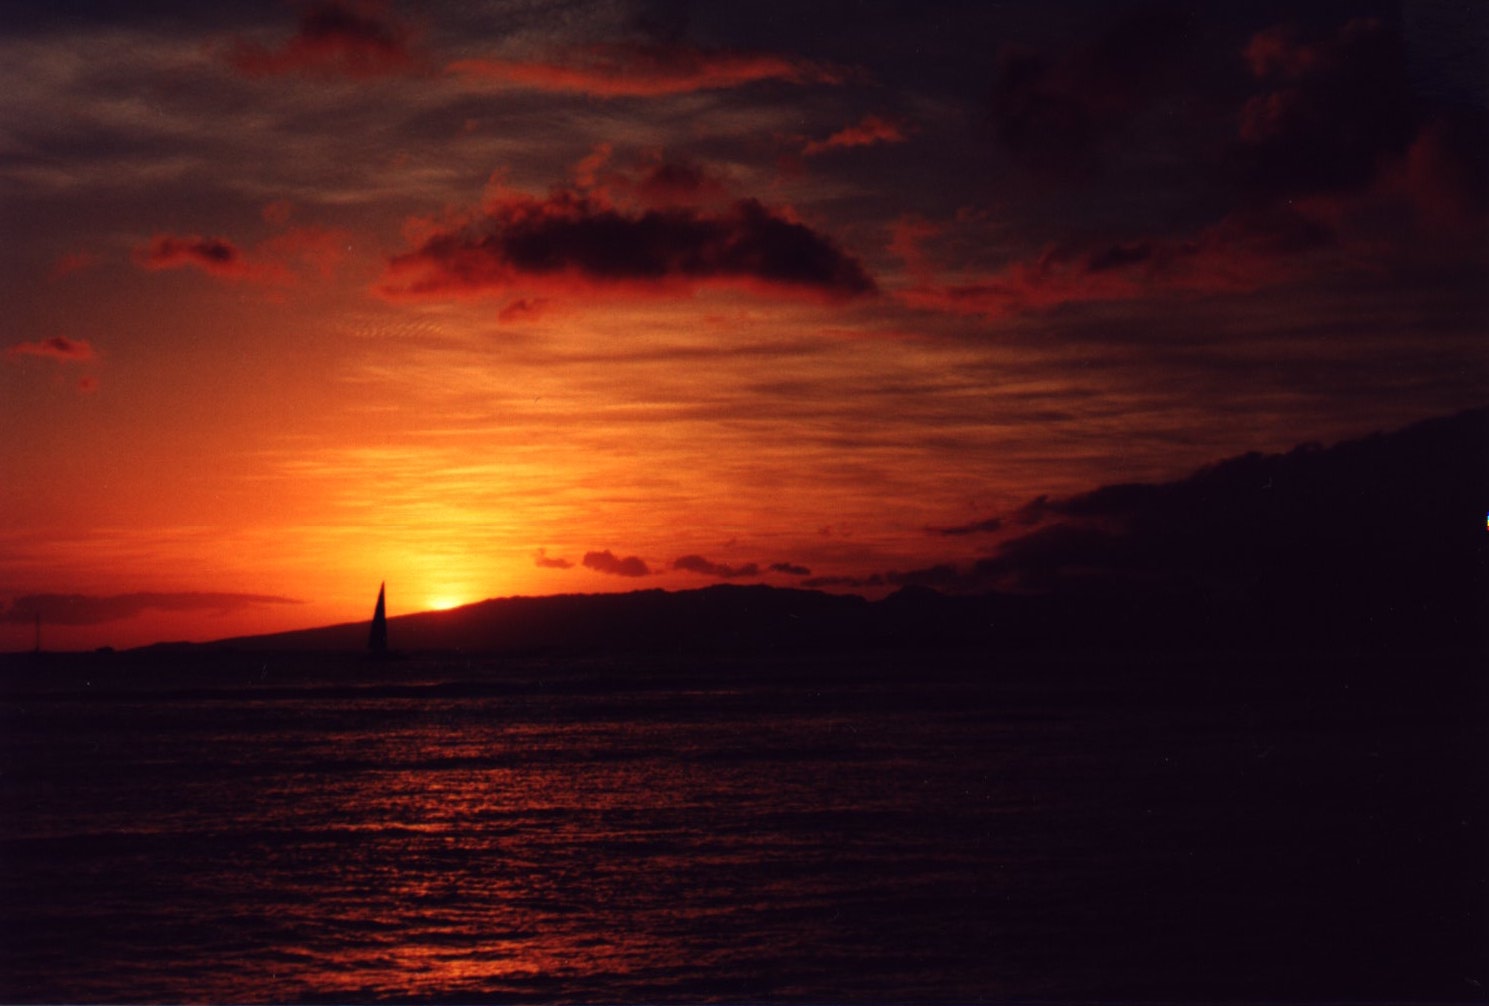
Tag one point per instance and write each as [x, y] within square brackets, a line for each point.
[1373, 545]
[1245, 710]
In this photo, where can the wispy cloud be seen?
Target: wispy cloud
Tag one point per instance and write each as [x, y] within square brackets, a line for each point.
[277, 259]
[868, 131]
[633, 70]
[58, 347]
[213, 255]
[698, 564]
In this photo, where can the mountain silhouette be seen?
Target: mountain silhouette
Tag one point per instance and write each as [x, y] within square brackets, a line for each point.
[1374, 543]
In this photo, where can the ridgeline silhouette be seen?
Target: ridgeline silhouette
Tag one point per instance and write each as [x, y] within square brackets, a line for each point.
[1374, 543]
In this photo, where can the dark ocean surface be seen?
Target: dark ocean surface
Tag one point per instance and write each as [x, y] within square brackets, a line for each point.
[893, 827]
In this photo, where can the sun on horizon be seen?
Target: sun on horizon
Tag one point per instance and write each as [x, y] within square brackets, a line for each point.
[337, 289]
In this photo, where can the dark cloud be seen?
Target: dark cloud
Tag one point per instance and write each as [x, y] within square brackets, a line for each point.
[1333, 166]
[606, 562]
[1335, 109]
[572, 242]
[354, 40]
[542, 560]
[82, 609]
[58, 347]
[790, 569]
[645, 70]
[1057, 115]
[698, 564]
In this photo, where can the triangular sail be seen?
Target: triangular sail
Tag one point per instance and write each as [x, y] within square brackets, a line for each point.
[377, 639]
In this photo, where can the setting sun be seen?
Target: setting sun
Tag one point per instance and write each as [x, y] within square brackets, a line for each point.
[491, 301]
[667, 501]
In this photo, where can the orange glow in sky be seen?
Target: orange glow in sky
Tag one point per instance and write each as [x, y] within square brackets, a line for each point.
[495, 303]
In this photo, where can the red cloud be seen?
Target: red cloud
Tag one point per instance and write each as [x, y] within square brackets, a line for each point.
[58, 347]
[607, 562]
[541, 559]
[572, 242]
[333, 38]
[636, 71]
[872, 129]
[314, 248]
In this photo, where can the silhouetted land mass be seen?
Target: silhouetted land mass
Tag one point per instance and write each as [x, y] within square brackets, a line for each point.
[1218, 739]
[1377, 543]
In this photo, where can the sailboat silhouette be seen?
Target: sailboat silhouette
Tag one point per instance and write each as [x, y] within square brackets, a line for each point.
[377, 639]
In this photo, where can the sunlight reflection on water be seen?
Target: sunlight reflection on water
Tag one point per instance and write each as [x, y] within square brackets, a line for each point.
[574, 844]
[539, 833]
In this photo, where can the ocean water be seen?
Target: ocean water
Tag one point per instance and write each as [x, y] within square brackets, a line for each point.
[888, 828]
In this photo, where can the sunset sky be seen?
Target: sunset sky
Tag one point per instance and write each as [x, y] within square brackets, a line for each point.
[523, 297]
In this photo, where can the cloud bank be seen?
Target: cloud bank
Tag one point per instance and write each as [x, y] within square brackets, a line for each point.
[571, 242]
[632, 70]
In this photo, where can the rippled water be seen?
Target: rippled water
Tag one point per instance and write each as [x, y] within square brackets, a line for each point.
[906, 829]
